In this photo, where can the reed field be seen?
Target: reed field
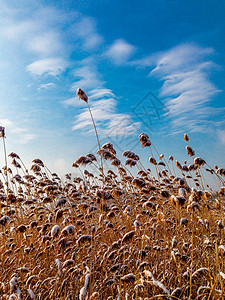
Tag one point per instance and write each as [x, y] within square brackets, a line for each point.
[110, 234]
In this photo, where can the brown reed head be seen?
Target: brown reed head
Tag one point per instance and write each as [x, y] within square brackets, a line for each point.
[144, 140]
[185, 137]
[190, 151]
[81, 95]
[2, 131]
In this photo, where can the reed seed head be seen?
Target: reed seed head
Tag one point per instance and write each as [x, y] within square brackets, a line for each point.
[185, 137]
[81, 95]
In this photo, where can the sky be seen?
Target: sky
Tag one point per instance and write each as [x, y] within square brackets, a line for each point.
[147, 66]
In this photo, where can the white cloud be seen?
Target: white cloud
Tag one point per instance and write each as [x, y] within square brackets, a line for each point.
[25, 138]
[19, 31]
[6, 123]
[61, 166]
[89, 77]
[182, 57]
[40, 33]
[121, 125]
[147, 61]
[92, 95]
[100, 93]
[47, 43]
[186, 88]
[50, 66]
[87, 32]
[46, 85]
[21, 135]
[109, 122]
[73, 101]
[51, 16]
[221, 135]
[18, 130]
[120, 52]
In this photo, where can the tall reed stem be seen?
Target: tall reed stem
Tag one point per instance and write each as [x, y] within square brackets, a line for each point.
[96, 133]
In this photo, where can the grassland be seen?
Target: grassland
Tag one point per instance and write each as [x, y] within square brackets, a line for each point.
[112, 235]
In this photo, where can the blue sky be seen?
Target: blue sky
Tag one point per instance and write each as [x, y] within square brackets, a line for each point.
[172, 52]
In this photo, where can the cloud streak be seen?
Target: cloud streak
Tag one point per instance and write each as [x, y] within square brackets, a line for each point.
[110, 123]
[103, 104]
[21, 135]
[221, 135]
[46, 86]
[40, 38]
[88, 76]
[86, 31]
[45, 44]
[49, 66]
[120, 52]
[186, 90]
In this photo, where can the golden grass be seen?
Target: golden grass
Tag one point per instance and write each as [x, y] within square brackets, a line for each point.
[113, 236]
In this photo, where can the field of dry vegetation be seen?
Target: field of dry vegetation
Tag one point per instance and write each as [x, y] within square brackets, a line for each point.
[110, 234]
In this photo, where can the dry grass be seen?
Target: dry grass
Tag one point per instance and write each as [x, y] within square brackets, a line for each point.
[113, 236]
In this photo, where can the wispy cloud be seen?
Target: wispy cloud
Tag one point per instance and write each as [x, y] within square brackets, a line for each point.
[21, 135]
[192, 90]
[88, 75]
[86, 31]
[103, 103]
[109, 121]
[26, 138]
[92, 95]
[41, 37]
[46, 85]
[100, 93]
[36, 35]
[147, 61]
[73, 102]
[45, 44]
[49, 66]
[6, 122]
[120, 52]
[18, 31]
[221, 135]
[187, 89]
